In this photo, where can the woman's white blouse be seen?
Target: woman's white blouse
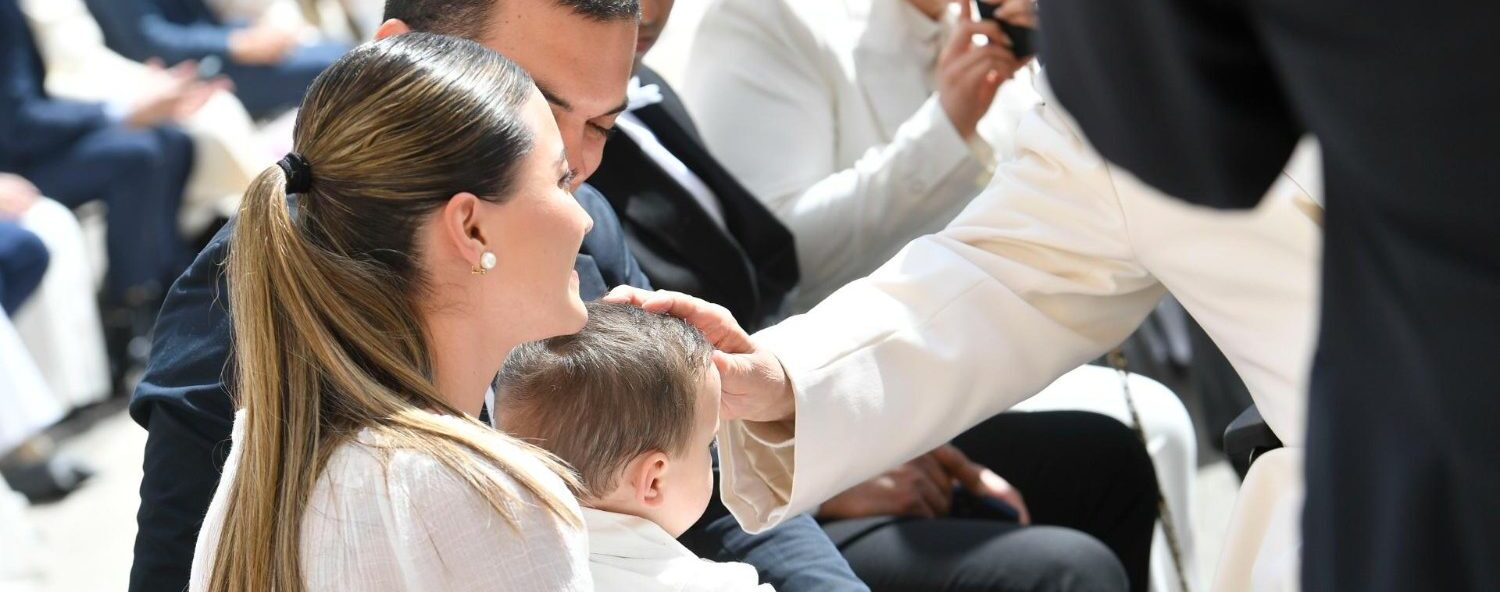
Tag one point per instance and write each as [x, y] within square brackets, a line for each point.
[382, 519]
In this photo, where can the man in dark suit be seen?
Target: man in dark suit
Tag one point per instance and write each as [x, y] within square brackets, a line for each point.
[270, 66]
[1403, 487]
[183, 400]
[129, 156]
[693, 227]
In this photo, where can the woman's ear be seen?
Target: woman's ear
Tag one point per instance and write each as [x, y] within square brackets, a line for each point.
[646, 473]
[391, 28]
[459, 224]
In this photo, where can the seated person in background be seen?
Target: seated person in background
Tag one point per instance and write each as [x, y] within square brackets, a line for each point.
[631, 402]
[132, 157]
[313, 20]
[23, 261]
[60, 323]
[229, 148]
[270, 65]
[27, 406]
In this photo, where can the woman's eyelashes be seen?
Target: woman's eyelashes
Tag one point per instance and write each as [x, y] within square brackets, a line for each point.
[566, 180]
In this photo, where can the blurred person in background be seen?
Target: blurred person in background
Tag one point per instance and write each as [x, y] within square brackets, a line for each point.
[27, 406]
[228, 145]
[314, 20]
[269, 63]
[866, 124]
[60, 324]
[129, 155]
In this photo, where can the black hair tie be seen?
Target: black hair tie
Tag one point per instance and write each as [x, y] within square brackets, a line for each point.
[298, 173]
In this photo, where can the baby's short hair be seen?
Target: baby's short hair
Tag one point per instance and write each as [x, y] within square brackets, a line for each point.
[625, 385]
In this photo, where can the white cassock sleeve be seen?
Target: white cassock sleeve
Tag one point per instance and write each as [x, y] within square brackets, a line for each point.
[1035, 277]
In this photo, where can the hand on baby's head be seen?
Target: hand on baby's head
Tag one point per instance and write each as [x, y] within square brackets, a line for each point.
[631, 402]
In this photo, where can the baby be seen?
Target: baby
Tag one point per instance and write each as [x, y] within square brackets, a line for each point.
[632, 403]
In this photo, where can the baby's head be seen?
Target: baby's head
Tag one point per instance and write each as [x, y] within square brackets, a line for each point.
[631, 402]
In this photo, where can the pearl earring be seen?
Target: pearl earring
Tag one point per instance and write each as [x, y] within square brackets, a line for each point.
[486, 263]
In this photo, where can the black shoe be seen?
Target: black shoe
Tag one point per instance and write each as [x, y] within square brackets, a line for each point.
[48, 480]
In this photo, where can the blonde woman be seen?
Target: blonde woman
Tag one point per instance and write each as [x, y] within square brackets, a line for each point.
[432, 232]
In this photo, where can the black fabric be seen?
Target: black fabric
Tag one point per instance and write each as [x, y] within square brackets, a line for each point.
[183, 402]
[1204, 100]
[749, 270]
[1089, 485]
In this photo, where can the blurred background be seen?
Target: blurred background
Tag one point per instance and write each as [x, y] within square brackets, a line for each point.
[79, 460]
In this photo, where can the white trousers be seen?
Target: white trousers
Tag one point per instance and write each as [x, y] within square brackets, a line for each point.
[59, 324]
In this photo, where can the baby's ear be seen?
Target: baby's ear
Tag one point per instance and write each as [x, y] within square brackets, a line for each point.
[644, 475]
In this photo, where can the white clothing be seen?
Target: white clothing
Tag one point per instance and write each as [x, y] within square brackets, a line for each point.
[228, 149]
[1056, 262]
[26, 406]
[629, 553]
[383, 519]
[866, 68]
[826, 111]
[60, 322]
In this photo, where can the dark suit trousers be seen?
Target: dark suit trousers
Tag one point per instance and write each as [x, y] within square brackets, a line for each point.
[268, 90]
[23, 261]
[140, 175]
[1091, 490]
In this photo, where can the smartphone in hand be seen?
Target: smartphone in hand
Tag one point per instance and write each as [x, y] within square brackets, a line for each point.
[1022, 39]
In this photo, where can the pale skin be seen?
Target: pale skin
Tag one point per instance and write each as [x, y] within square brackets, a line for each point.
[671, 489]
[17, 195]
[473, 320]
[581, 66]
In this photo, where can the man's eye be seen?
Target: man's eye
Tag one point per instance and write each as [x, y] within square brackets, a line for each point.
[604, 131]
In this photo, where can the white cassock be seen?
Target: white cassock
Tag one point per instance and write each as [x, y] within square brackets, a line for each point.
[828, 112]
[1057, 261]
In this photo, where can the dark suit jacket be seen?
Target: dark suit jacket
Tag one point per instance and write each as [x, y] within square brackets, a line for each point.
[749, 269]
[183, 403]
[173, 30]
[34, 125]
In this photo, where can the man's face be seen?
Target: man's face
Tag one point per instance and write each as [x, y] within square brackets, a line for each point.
[581, 66]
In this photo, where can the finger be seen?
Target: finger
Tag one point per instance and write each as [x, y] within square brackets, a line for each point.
[1020, 505]
[991, 72]
[935, 500]
[961, 38]
[985, 27]
[625, 294]
[957, 465]
[716, 322]
[971, 69]
[933, 470]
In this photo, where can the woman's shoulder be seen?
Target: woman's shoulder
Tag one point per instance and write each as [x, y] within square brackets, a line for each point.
[385, 505]
[370, 463]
